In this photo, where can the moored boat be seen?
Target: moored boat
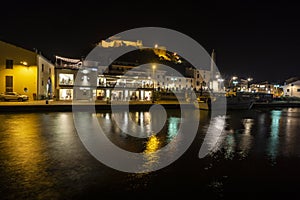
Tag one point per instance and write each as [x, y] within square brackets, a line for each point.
[239, 101]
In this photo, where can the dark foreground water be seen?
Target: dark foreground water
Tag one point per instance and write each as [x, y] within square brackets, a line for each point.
[257, 155]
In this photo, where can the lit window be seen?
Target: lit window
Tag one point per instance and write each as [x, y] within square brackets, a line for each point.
[66, 79]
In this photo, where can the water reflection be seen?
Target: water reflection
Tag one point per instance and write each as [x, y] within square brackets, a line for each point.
[173, 126]
[229, 146]
[291, 138]
[274, 136]
[151, 148]
[25, 159]
[237, 138]
[213, 139]
[150, 153]
[41, 156]
[246, 137]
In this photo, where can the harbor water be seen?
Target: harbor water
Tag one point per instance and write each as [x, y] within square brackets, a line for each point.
[257, 154]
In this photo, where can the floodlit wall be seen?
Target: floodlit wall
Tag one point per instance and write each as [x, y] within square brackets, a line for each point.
[23, 69]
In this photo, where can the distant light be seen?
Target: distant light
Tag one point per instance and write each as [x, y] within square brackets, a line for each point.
[156, 45]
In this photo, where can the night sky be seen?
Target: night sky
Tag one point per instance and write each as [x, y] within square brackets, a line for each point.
[252, 38]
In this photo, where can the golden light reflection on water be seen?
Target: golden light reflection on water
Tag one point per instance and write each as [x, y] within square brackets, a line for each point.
[151, 158]
[150, 153]
[25, 152]
[152, 145]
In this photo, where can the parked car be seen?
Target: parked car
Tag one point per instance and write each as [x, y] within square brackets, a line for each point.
[13, 96]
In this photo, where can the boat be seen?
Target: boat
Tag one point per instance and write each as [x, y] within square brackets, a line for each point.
[238, 101]
[202, 103]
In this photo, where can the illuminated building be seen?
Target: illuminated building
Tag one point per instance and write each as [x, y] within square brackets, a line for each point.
[292, 87]
[65, 73]
[26, 72]
[116, 79]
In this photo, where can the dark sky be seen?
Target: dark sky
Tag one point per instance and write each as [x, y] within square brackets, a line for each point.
[253, 38]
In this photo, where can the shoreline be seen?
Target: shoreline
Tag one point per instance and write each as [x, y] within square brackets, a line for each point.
[58, 106]
[62, 106]
[276, 104]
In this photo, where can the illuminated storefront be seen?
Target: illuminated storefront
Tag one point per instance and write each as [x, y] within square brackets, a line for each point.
[65, 83]
[65, 94]
[66, 70]
[66, 79]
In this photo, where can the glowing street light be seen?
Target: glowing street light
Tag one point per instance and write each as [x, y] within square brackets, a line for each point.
[153, 77]
[248, 83]
[233, 80]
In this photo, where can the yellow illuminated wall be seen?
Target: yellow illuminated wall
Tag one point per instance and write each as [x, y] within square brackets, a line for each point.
[25, 71]
[23, 77]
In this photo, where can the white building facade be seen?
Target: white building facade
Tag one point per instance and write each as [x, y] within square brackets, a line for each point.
[292, 89]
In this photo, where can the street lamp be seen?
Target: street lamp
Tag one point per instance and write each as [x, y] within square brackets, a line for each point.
[232, 79]
[153, 80]
[248, 83]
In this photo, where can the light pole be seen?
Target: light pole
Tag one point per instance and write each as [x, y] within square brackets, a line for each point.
[153, 81]
[248, 83]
